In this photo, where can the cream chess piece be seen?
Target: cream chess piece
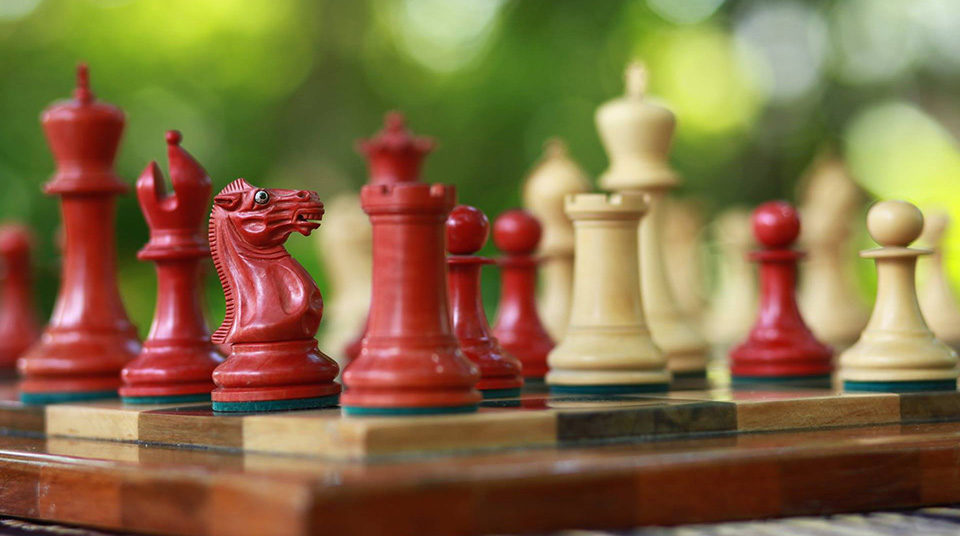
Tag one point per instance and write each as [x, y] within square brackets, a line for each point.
[897, 351]
[937, 300]
[636, 134]
[734, 303]
[827, 292]
[345, 250]
[607, 347]
[684, 255]
[554, 177]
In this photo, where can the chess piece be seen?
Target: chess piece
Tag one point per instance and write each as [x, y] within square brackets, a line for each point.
[345, 251]
[555, 176]
[733, 305]
[19, 327]
[89, 338]
[937, 300]
[683, 255]
[780, 347]
[518, 328]
[467, 232]
[393, 155]
[636, 134]
[607, 348]
[177, 358]
[410, 361]
[273, 305]
[827, 293]
[897, 352]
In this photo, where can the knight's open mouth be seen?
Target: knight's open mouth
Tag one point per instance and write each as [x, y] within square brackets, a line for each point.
[307, 221]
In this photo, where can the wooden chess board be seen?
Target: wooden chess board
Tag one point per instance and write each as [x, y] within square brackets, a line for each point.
[539, 462]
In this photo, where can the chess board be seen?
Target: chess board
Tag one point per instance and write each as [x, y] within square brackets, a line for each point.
[537, 418]
[538, 462]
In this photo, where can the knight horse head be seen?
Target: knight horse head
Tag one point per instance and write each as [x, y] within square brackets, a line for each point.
[265, 217]
[248, 227]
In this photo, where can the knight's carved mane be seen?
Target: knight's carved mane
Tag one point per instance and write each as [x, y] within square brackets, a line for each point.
[229, 291]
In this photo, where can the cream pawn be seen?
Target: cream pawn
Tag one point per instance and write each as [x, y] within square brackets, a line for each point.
[897, 351]
[937, 300]
[607, 347]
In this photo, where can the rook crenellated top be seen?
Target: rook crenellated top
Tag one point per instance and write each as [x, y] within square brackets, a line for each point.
[408, 198]
[627, 205]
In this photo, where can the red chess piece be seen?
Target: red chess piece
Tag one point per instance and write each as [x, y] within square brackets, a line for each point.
[273, 305]
[518, 326]
[409, 361]
[393, 155]
[89, 338]
[467, 232]
[780, 347]
[177, 358]
[18, 317]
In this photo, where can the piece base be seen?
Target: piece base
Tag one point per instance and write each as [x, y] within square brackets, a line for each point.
[355, 411]
[690, 375]
[900, 387]
[814, 382]
[172, 399]
[610, 389]
[54, 397]
[500, 393]
[262, 406]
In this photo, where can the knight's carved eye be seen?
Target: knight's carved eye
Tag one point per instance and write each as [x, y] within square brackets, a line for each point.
[261, 197]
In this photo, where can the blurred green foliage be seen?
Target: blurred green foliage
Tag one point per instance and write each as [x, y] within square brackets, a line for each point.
[277, 91]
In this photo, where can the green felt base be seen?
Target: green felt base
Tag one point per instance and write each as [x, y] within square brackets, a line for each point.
[534, 381]
[609, 389]
[819, 381]
[175, 399]
[901, 387]
[500, 393]
[690, 375]
[74, 396]
[261, 406]
[355, 411]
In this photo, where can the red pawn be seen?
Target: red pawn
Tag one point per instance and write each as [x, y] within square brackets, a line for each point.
[18, 317]
[780, 347]
[467, 232]
[518, 326]
[89, 338]
[177, 358]
[394, 155]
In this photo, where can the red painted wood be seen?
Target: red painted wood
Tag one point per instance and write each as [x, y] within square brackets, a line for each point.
[273, 305]
[393, 155]
[467, 231]
[518, 328]
[89, 338]
[19, 325]
[780, 344]
[177, 358]
[409, 356]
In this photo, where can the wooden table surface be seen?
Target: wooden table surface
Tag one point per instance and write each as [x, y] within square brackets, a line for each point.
[161, 490]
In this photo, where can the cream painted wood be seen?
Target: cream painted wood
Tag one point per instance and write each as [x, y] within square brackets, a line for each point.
[734, 302]
[937, 299]
[636, 134]
[345, 251]
[607, 341]
[827, 293]
[554, 177]
[896, 345]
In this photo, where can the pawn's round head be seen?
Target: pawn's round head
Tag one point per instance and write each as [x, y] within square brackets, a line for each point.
[517, 232]
[776, 224]
[894, 223]
[467, 230]
[14, 239]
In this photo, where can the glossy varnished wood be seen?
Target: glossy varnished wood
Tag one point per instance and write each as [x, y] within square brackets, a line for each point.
[124, 486]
